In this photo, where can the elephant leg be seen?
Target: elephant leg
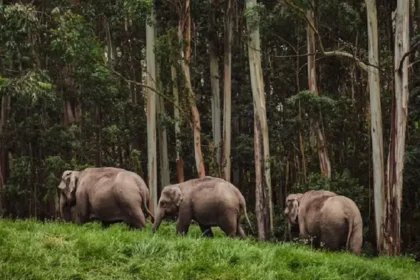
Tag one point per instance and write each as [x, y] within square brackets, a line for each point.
[183, 226]
[240, 232]
[228, 225]
[137, 219]
[206, 230]
[184, 220]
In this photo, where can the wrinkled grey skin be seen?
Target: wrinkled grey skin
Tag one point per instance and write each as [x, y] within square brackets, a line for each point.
[209, 201]
[328, 218]
[106, 194]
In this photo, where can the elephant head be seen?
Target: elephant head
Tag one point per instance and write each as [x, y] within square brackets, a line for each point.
[68, 186]
[292, 207]
[169, 202]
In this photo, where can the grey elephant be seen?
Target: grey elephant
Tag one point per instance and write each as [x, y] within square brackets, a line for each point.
[328, 218]
[106, 194]
[210, 201]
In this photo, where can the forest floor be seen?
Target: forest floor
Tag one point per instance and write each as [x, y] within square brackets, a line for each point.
[35, 250]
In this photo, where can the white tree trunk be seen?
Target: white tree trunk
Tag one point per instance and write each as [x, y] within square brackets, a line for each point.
[215, 89]
[324, 160]
[227, 104]
[376, 122]
[396, 155]
[264, 207]
[151, 112]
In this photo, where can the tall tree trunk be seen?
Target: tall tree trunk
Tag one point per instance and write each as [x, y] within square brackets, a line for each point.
[263, 190]
[4, 159]
[324, 160]
[151, 111]
[163, 137]
[392, 240]
[301, 143]
[185, 24]
[376, 122]
[215, 87]
[227, 104]
[179, 161]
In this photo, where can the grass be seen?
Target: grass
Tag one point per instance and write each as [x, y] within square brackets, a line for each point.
[31, 249]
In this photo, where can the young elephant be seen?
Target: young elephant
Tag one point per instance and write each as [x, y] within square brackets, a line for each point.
[107, 194]
[329, 218]
[209, 201]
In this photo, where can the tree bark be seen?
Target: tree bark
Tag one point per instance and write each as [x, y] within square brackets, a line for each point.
[324, 160]
[185, 17]
[4, 160]
[396, 156]
[163, 138]
[215, 88]
[376, 122]
[263, 190]
[179, 161]
[227, 104]
[151, 112]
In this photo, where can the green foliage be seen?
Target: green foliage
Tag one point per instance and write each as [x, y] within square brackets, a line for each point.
[30, 249]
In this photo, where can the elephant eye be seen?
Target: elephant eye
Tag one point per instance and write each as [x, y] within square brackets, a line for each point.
[163, 204]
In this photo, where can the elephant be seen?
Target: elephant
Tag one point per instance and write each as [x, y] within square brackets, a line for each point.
[328, 218]
[210, 201]
[106, 194]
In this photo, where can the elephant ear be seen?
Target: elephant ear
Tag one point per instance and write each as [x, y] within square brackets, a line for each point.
[74, 178]
[292, 208]
[178, 196]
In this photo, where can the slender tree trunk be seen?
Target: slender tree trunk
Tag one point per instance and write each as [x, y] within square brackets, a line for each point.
[151, 112]
[376, 122]
[227, 104]
[215, 88]
[324, 160]
[179, 161]
[191, 95]
[263, 190]
[4, 115]
[301, 143]
[392, 240]
[163, 137]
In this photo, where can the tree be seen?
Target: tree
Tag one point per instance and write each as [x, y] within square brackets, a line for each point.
[184, 34]
[151, 110]
[324, 161]
[263, 191]
[376, 121]
[396, 156]
[227, 91]
[215, 85]
[163, 138]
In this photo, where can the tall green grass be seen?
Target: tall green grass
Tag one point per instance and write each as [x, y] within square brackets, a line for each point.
[34, 250]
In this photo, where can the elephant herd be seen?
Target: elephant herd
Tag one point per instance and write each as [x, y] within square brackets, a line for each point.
[111, 195]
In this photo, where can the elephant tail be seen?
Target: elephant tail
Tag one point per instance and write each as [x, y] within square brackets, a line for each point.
[152, 218]
[355, 235]
[349, 234]
[243, 206]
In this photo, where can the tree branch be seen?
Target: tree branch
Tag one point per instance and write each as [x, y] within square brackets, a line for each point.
[151, 88]
[412, 49]
[363, 65]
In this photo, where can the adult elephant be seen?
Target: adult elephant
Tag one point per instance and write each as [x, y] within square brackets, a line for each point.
[328, 218]
[107, 194]
[210, 201]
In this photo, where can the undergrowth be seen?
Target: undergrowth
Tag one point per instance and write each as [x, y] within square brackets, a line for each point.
[31, 249]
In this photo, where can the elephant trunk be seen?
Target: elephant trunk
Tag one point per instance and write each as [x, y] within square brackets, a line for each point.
[158, 219]
[65, 210]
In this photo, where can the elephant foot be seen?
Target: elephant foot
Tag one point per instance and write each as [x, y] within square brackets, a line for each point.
[206, 231]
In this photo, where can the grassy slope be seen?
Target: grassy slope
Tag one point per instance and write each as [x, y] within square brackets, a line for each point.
[34, 250]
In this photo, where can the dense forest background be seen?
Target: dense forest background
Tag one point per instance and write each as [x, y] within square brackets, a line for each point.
[72, 76]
